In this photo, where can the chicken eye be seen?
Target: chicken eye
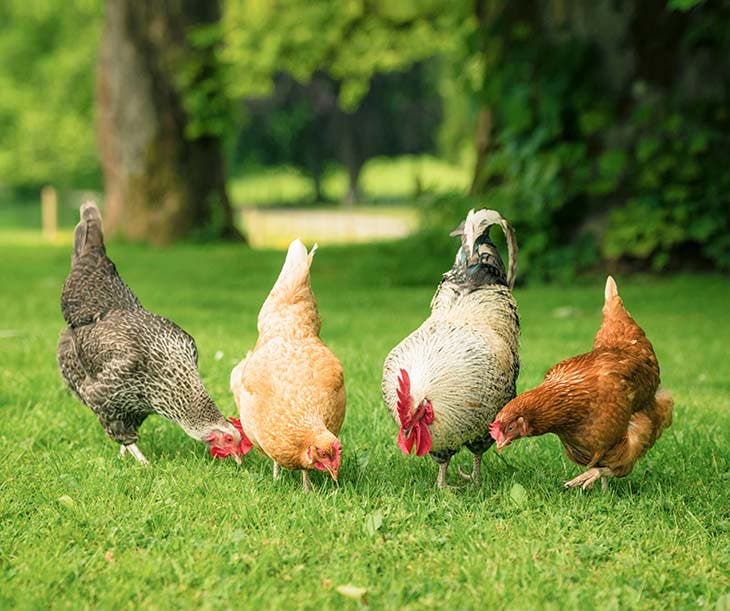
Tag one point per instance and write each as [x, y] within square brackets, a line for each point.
[228, 439]
[511, 427]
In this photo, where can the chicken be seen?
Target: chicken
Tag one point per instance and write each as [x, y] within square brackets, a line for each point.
[445, 382]
[605, 406]
[290, 389]
[126, 363]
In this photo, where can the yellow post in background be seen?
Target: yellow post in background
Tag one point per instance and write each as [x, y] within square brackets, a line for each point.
[49, 212]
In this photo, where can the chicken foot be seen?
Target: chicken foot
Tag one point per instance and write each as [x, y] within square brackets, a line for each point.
[475, 474]
[134, 451]
[587, 479]
[305, 481]
[441, 479]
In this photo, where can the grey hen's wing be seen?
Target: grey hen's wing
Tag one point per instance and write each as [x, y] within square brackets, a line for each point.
[104, 381]
[103, 365]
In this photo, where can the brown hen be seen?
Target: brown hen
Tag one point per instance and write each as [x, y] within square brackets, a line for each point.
[605, 406]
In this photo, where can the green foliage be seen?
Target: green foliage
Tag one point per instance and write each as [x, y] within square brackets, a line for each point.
[678, 204]
[203, 80]
[586, 171]
[539, 171]
[47, 69]
[684, 5]
[81, 528]
[680, 188]
[350, 40]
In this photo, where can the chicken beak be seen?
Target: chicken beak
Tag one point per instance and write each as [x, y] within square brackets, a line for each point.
[237, 458]
[501, 444]
[333, 472]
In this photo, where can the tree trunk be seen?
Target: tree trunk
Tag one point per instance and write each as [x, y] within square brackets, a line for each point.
[352, 159]
[353, 195]
[483, 10]
[160, 186]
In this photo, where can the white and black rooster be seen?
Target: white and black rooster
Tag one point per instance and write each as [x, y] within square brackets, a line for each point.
[446, 381]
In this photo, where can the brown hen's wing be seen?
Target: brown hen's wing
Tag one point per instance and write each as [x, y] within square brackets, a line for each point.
[645, 427]
[595, 396]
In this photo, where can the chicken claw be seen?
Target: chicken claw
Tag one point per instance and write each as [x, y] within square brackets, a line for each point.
[441, 479]
[134, 451]
[475, 474]
[587, 479]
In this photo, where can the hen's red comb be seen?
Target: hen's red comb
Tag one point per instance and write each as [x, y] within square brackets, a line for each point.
[404, 398]
[245, 445]
[495, 430]
[337, 446]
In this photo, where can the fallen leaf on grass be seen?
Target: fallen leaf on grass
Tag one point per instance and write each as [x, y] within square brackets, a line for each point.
[518, 494]
[67, 501]
[373, 522]
[354, 592]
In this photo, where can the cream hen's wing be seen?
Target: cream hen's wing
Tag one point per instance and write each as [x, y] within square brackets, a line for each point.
[247, 386]
[325, 377]
[284, 384]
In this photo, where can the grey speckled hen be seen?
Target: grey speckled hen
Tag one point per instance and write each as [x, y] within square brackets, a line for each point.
[445, 382]
[126, 363]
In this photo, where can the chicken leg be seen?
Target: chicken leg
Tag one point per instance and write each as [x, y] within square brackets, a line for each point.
[587, 479]
[475, 474]
[134, 451]
[305, 481]
[277, 470]
[442, 458]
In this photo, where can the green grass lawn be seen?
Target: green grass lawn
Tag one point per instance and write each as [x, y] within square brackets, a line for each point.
[79, 528]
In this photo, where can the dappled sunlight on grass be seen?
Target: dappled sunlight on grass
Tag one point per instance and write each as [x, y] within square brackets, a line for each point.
[382, 180]
[276, 228]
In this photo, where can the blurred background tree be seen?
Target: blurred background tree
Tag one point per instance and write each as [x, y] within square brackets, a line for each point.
[47, 60]
[159, 125]
[600, 129]
[360, 67]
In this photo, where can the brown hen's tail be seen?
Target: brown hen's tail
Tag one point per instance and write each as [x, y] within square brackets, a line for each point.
[663, 408]
[618, 329]
[612, 300]
[89, 232]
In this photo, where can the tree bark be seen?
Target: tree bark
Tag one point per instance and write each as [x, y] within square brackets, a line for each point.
[160, 185]
[352, 159]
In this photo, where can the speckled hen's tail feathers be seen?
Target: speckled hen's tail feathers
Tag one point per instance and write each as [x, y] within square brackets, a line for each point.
[89, 232]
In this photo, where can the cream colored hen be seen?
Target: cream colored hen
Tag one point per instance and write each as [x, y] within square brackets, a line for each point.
[290, 388]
